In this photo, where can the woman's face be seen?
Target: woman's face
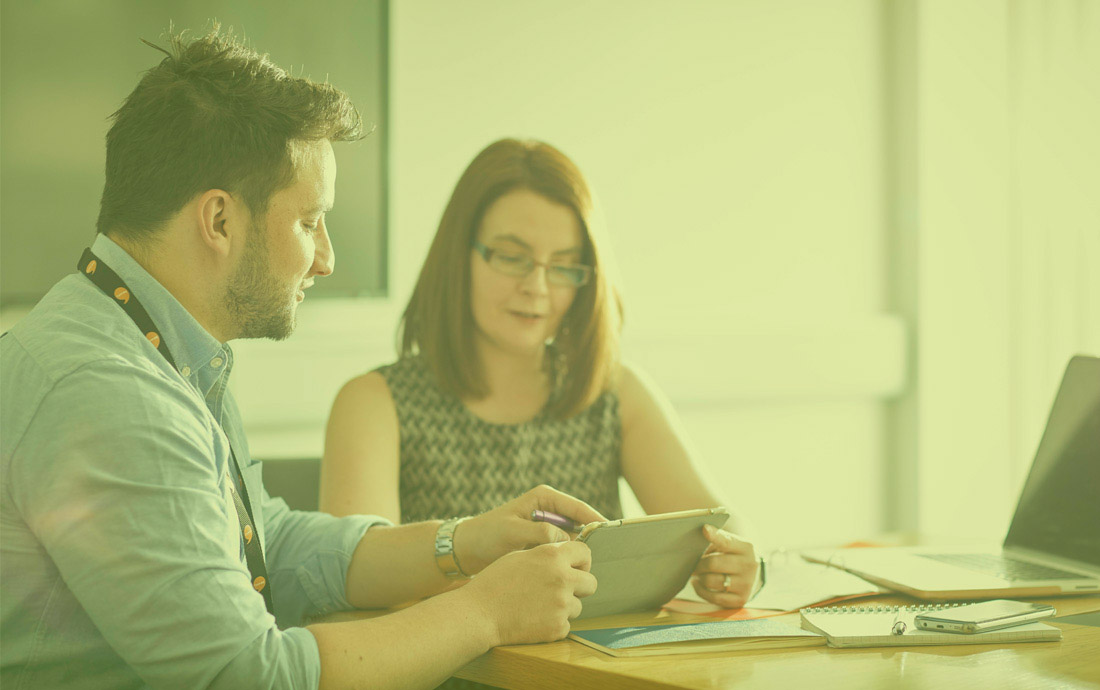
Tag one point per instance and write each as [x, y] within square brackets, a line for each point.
[517, 314]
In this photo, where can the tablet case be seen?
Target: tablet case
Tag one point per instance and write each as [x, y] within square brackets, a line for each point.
[641, 565]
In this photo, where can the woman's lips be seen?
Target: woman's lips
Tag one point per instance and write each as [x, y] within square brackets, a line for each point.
[526, 315]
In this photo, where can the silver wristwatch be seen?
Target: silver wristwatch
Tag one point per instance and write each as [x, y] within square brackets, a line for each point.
[445, 550]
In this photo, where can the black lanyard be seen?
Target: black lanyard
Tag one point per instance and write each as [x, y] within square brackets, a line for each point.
[114, 287]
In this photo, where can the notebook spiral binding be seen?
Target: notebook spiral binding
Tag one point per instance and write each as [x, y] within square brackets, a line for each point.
[882, 608]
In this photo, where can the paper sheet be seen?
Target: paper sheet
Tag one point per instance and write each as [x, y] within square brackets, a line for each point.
[792, 583]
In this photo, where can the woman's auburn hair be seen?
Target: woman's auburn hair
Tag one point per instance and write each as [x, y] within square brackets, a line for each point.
[438, 323]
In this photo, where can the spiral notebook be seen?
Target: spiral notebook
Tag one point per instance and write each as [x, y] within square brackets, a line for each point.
[871, 626]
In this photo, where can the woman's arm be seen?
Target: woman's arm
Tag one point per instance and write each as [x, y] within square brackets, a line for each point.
[656, 461]
[361, 468]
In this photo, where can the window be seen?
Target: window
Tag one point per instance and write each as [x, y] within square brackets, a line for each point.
[67, 66]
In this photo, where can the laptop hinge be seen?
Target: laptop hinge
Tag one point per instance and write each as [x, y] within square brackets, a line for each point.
[1086, 569]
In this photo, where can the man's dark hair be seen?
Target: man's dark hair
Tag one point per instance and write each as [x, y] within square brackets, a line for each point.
[214, 114]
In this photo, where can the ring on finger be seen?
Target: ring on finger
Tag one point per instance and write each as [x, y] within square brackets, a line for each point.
[724, 587]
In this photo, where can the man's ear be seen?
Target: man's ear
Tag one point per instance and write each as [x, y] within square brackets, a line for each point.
[221, 220]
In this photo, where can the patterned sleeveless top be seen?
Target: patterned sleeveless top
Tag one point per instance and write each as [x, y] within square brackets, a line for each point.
[454, 463]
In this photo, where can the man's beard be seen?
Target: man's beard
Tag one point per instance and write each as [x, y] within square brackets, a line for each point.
[257, 305]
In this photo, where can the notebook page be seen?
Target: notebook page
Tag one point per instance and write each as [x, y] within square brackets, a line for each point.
[791, 584]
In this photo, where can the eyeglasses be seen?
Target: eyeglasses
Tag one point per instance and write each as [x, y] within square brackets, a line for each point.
[521, 265]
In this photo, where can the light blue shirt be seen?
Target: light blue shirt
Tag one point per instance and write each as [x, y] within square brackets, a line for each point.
[121, 555]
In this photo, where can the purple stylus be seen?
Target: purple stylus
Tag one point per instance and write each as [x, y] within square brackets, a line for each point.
[555, 519]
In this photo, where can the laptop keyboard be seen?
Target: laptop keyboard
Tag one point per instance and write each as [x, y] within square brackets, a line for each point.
[1001, 566]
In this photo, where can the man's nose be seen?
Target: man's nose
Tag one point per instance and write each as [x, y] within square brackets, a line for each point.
[324, 257]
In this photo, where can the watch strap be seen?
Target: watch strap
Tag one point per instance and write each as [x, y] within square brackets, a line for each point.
[445, 556]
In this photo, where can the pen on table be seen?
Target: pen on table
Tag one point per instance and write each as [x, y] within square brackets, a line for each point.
[761, 578]
[899, 625]
[555, 519]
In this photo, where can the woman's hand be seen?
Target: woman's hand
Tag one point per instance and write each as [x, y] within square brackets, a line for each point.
[481, 540]
[726, 572]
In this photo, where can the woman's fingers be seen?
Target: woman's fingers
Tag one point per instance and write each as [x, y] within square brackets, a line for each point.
[726, 563]
[727, 600]
[716, 582]
[727, 542]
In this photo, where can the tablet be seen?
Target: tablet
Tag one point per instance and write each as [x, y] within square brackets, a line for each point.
[641, 563]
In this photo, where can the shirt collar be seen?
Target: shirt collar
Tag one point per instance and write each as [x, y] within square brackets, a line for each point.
[200, 358]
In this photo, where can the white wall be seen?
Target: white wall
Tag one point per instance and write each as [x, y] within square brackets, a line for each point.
[857, 238]
[738, 152]
[1007, 173]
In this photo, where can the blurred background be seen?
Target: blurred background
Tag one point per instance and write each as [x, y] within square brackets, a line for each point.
[858, 239]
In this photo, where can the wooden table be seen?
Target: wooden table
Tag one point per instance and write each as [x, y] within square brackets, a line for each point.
[1073, 662]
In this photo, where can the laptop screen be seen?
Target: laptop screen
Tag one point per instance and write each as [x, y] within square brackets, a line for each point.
[1059, 509]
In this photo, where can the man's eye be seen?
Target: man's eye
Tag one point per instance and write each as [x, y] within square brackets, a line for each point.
[309, 227]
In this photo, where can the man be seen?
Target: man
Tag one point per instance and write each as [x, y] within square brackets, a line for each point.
[139, 546]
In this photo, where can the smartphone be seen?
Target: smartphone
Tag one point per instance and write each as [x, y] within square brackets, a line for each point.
[988, 615]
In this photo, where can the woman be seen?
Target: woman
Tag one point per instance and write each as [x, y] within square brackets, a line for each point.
[509, 375]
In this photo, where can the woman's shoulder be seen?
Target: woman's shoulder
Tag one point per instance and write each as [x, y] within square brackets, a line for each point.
[390, 379]
[408, 383]
[412, 366]
[365, 392]
[635, 390]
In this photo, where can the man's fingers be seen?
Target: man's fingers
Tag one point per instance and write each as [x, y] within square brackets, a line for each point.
[577, 554]
[575, 608]
[549, 498]
[584, 583]
[536, 533]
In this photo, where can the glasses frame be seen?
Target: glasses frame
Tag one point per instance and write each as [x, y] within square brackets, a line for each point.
[487, 253]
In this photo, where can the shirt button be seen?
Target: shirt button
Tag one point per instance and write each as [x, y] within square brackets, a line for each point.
[186, 371]
[216, 362]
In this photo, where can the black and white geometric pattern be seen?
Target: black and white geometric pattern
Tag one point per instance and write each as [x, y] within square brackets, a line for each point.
[454, 463]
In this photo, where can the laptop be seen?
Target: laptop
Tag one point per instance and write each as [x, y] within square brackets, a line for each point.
[1053, 544]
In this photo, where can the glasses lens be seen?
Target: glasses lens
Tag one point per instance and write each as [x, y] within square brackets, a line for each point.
[512, 264]
[573, 275]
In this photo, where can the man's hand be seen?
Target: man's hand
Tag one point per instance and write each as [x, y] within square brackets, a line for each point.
[727, 570]
[481, 540]
[530, 596]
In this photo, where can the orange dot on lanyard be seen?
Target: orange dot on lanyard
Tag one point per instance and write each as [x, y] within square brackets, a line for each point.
[247, 534]
[153, 338]
[90, 268]
[122, 295]
[258, 584]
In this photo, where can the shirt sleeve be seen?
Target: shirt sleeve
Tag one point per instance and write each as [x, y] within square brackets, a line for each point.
[308, 555]
[117, 477]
